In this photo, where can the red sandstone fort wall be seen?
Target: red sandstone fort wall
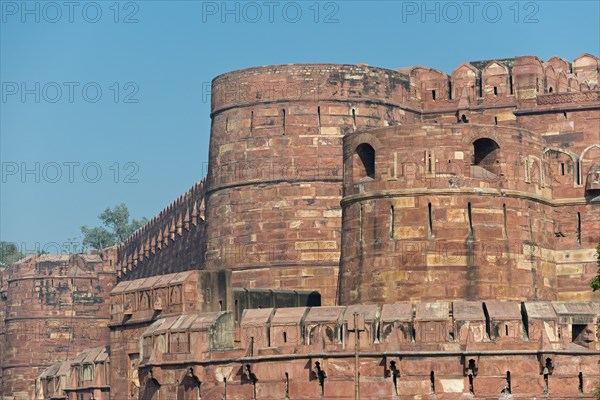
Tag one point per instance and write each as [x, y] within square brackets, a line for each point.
[55, 306]
[172, 241]
[274, 182]
[431, 225]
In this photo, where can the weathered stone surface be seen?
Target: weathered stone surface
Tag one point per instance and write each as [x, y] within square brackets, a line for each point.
[54, 307]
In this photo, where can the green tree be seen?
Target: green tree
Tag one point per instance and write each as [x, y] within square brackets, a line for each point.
[116, 228]
[9, 253]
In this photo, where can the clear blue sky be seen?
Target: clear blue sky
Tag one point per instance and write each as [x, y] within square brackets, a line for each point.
[163, 57]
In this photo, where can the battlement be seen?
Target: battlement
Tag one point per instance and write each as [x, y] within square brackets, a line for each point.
[88, 373]
[140, 300]
[448, 348]
[500, 83]
[423, 326]
[176, 232]
[486, 83]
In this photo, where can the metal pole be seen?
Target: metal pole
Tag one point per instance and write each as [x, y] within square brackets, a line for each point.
[356, 363]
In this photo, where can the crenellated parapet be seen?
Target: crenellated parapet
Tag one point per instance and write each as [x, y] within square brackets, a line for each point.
[182, 301]
[451, 349]
[86, 374]
[171, 241]
[502, 82]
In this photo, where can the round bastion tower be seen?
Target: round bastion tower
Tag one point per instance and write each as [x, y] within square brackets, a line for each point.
[275, 167]
[442, 212]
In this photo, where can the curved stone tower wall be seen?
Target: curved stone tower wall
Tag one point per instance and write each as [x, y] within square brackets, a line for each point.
[55, 305]
[275, 167]
[430, 225]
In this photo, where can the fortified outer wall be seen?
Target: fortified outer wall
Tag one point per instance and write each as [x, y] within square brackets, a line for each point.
[139, 304]
[56, 306]
[462, 211]
[428, 350]
[437, 350]
[172, 241]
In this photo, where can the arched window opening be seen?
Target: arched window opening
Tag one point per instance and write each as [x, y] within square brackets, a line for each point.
[592, 182]
[486, 154]
[560, 168]
[485, 151]
[364, 162]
